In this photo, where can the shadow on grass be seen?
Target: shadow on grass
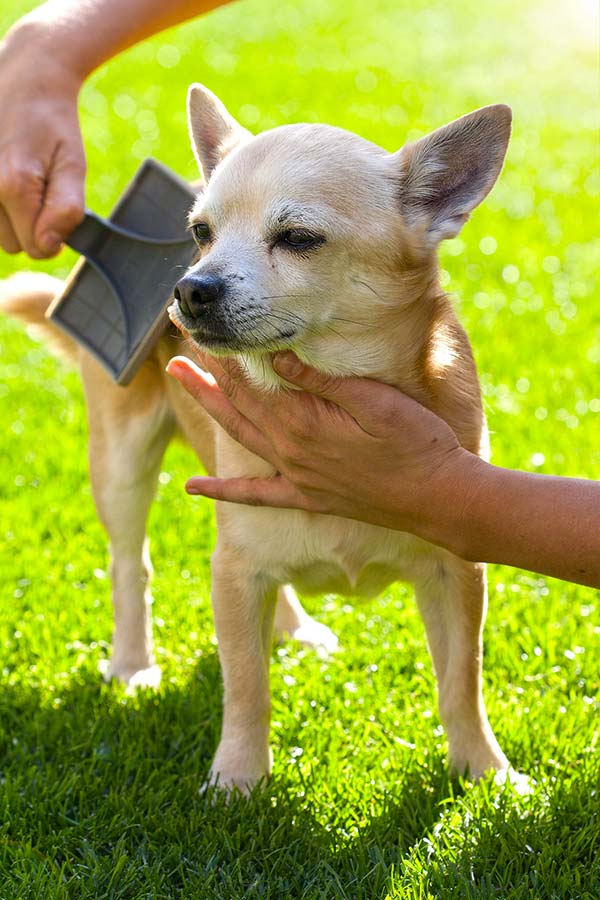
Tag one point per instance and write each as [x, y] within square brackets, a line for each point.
[100, 799]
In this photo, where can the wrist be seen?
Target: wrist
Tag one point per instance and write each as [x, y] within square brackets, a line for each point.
[457, 494]
[57, 55]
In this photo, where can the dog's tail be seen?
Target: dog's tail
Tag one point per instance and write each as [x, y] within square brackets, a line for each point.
[27, 296]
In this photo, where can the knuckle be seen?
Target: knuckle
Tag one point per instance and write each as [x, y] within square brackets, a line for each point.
[331, 383]
[227, 385]
[232, 427]
[386, 414]
[314, 501]
[232, 368]
[288, 450]
[296, 426]
[326, 384]
[69, 212]
[17, 180]
[77, 166]
[303, 481]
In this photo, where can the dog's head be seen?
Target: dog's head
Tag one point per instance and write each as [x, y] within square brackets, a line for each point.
[313, 239]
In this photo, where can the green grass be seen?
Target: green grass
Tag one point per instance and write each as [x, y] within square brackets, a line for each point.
[99, 789]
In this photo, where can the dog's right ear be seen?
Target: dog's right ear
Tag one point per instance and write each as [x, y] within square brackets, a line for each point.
[213, 130]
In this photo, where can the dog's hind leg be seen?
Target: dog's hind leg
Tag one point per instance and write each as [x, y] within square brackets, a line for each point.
[452, 600]
[129, 431]
[291, 619]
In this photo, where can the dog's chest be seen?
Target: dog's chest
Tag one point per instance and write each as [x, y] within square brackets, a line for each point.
[319, 554]
[315, 553]
[342, 577]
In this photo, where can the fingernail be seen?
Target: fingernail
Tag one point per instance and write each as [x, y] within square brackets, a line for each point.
[50, 240]
[287, 364]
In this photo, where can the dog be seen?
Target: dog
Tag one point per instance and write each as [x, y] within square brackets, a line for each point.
[310, 238]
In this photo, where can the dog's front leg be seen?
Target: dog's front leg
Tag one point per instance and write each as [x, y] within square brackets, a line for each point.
[243, 605]
[452, 600]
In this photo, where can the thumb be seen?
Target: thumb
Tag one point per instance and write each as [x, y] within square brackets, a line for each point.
[63, 206]
[358, 396]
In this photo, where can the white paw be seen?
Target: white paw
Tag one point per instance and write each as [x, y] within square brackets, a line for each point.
[231, 783]
[315, 635]
[521, 784]
[233, 771]
[129, 675]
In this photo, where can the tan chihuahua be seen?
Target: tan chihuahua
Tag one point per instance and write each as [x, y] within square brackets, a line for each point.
[315, 240]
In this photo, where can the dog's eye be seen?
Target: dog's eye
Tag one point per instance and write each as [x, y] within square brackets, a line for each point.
[297, 239]
[201, 232]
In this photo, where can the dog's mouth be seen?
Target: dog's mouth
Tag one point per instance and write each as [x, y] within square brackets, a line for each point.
[210, 341]
[225, 340]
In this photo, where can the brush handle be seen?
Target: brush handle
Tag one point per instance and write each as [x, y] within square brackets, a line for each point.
[89, 235]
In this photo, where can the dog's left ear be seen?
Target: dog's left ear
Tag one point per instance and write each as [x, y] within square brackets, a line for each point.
[213, 130]
[446, 174]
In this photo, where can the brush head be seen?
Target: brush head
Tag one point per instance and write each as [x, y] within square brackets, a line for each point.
[115, 300]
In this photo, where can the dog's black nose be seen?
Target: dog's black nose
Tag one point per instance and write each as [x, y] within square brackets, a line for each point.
[195, 292]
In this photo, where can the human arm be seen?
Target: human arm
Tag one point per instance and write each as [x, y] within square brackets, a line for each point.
[44, 59]
[356, 448]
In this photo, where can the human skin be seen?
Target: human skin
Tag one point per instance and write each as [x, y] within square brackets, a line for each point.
[363, 450]
[44, 60]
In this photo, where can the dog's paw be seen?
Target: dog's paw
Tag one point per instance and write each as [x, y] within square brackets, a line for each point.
[314, 635]
[232, 783]
[129, 675]
[235, 773]
[522, 784]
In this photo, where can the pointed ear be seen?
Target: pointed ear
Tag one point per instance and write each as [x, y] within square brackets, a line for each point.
[213, 130]
[446, 174]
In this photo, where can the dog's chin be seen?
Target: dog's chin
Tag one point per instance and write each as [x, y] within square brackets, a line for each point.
[225, 343]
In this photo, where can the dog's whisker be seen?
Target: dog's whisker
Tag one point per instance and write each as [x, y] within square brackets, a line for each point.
[281, 296]
[351, 322]
[369, 288]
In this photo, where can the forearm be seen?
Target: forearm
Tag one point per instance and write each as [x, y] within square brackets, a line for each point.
[541, 523]
[85, 33]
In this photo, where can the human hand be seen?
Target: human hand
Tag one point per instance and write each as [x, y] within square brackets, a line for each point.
[348, 447]
[42, 161]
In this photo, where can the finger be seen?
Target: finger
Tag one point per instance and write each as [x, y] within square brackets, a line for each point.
[255, 406]
[275, 491]
[63, 205]
[226, 366]
[209, 395]
[21, 195]
[369, 402]
[8, 238]
[189, 373]
[210, 364]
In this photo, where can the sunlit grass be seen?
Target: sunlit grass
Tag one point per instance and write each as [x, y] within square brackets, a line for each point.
[98, 789]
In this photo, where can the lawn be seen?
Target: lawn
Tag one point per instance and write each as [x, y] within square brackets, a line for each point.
[99, 788]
